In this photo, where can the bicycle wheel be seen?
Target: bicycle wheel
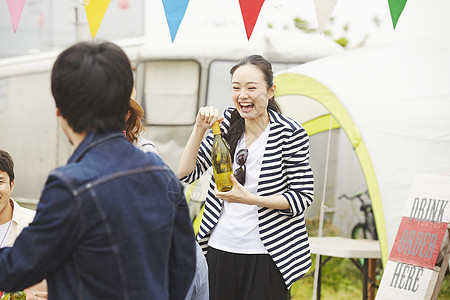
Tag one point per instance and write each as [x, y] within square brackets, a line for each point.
[360, 231]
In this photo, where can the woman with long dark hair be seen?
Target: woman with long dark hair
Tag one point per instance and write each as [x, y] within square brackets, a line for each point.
[254, 235]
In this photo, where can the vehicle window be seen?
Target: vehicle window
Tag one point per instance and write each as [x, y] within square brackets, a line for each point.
[170, 92]
[219, 85]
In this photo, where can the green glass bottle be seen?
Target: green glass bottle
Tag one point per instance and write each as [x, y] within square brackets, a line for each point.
[221, 161]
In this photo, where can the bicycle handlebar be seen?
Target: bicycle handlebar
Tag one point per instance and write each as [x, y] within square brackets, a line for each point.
[359, 196]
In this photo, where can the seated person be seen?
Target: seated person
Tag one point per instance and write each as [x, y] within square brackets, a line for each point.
[14, 218]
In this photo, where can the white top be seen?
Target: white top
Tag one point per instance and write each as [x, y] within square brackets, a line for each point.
[20, 219]
[4, 229]
[237, 230]
[145, 145]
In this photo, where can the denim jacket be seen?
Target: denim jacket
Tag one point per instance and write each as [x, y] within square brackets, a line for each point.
[111, 224]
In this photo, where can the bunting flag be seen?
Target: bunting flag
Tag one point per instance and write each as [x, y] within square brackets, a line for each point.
[95, 11]
[15, 11]
[250, 11]
[396, 7]
[324, 8]
[175, 10]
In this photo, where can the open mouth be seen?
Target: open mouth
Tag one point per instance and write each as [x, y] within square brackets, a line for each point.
[245, 106]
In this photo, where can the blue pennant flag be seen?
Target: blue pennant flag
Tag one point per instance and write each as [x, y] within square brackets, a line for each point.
[174, 10]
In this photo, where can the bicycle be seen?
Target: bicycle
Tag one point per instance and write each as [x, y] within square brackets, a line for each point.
[366, 229]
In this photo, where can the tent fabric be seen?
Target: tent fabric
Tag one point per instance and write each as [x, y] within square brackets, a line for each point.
[320, 124]
[293, 83]
[397, 96]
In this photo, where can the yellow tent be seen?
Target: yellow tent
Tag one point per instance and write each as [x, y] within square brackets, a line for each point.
[391, 100]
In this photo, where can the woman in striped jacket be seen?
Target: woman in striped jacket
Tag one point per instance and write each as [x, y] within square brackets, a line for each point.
[254, 236]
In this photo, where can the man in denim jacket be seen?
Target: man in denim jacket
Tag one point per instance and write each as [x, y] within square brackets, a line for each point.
[113, 223]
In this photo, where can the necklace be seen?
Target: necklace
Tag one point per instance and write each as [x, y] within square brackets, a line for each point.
[6, 233]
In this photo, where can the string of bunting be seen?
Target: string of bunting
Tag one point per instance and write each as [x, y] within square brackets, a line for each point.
[175, 11]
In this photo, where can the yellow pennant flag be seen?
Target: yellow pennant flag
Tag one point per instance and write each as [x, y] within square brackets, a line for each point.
[95, 11]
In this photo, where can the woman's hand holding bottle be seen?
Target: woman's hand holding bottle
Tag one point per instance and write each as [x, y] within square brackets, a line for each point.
[238, 194]
[206, 117]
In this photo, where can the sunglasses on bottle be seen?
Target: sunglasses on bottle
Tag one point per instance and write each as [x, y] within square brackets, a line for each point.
[241, 159]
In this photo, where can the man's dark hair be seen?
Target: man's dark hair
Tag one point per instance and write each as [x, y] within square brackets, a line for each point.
[91, 84]
[7, 164]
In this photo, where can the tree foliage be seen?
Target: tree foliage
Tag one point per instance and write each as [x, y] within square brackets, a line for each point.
[341, 38]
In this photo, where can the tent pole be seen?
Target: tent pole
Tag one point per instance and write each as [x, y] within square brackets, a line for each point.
[322, 212]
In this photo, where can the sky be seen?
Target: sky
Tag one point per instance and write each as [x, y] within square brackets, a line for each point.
[358, 14]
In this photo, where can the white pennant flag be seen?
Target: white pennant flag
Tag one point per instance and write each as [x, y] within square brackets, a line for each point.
[324, 8]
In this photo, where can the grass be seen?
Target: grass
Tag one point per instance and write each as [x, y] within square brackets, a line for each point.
[444, 293]
[341, 280]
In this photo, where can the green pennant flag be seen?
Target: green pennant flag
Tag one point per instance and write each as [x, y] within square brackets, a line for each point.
[396, 7]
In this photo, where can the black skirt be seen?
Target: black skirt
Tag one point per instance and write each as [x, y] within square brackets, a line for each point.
[234, 276]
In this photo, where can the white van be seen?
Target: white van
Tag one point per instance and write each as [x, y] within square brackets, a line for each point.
[172, 82]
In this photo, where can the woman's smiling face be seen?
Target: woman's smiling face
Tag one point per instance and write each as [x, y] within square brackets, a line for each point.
[250, 92]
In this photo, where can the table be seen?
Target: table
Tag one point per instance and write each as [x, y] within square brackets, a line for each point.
[342, 247]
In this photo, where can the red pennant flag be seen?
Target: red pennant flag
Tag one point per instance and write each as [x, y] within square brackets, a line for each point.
[250, 11]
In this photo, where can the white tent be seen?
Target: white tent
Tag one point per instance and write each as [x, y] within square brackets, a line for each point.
[392, 101]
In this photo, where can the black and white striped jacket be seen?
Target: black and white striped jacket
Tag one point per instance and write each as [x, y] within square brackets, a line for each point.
[285, 171]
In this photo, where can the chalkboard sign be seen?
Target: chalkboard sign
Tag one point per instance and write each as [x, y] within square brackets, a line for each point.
[413, 269]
